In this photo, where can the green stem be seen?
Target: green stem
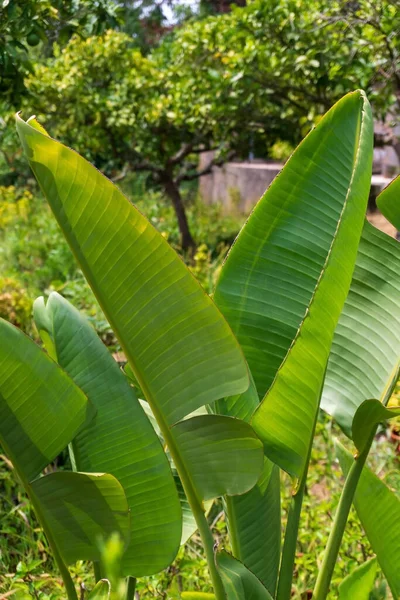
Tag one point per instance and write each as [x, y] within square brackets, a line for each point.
[130, 592]
[335, 537]
[198, 513]
[195, 504]
[65, 574]
[284, 590]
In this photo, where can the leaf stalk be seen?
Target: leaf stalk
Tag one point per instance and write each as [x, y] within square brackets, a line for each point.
[335, 537]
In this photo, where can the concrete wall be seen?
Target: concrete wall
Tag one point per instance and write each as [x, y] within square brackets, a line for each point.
[238, 186]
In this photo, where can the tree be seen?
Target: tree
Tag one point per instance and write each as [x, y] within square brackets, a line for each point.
[231, 83]
[125, 111]
[26, 25]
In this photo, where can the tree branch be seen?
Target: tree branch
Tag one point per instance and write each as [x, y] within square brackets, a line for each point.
[214, 162]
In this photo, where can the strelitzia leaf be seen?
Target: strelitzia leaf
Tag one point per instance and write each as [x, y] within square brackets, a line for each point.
[359, 583]
[379, 511]
[180, 348]
[388, 202]
[41, 409]
[239, 583]
[223, 455]
[313, 215]
[138, 460]
[364, 360]
[254, 526]
[368, 415]
[81, 509]
[189, 525]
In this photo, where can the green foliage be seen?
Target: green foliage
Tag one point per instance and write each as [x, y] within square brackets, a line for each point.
[24, 25]
[282, 289]
[281, 150]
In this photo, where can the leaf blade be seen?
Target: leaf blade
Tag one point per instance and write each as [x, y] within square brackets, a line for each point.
[382, 524]
[359, 583]
[138, 460]
[179, 346]
[388, 202]
[79, 509]
[366, 346]
[286, 428]
[239, 582]
[36, 397]
[222, 455]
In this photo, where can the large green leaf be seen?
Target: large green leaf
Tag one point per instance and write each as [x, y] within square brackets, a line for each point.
[254, 525]
[388, 202]
[41, 409]
[313, 215]
[223, 455]
[80, 509]
[239, 583]
[358, 585]
[364, 360]
[180, 348]
[379, 511]
[120, 440]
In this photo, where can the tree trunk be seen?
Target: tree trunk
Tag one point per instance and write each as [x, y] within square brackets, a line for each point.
[172, 191]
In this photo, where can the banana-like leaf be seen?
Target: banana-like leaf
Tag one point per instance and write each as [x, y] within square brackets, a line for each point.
[223, 455]
[241, 406]
[313, 215]
[379, 511]
[388, 202]
[197, 596]
[358, 585]
[101, 590]
[81, 509]
[239, 583]
[41, 409]
[368, 415]
[120, 440]
[364, 360]
[180, 348]
[254, 526]
[189, 525]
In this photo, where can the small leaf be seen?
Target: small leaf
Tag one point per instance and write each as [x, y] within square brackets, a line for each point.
[358, 585]
[80, 509]
[368, 415]
[388, 202]
[223, 455]
[239, 583]
[101, 590]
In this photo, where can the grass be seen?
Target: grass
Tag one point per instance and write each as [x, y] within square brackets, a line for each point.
[28, 571]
